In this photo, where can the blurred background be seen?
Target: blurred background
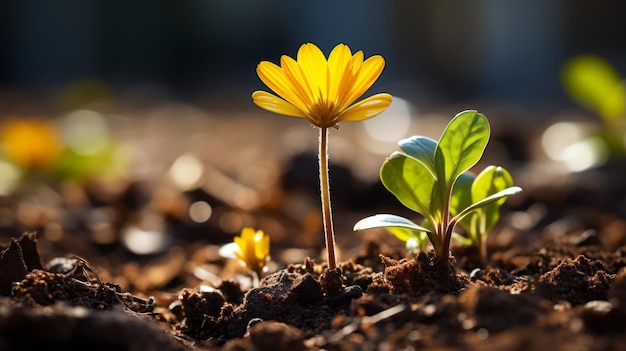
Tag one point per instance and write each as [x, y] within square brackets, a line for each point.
[437, 52]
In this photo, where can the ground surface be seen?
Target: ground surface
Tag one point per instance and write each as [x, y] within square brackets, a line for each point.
[72, 274]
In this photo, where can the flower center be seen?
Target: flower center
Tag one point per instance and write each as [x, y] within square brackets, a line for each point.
[324, 114]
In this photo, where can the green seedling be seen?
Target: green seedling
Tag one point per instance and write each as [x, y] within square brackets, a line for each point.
[470, 189]
[592, 82]
[596, 85]
[430, 178]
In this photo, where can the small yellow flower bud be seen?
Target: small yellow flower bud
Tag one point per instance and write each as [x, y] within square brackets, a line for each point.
[253, 249]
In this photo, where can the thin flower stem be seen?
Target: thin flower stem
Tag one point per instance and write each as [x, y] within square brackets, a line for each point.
[325, 194]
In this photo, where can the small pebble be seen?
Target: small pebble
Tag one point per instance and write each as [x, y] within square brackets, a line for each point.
[476, 274]
[61, 265]
[252, 323]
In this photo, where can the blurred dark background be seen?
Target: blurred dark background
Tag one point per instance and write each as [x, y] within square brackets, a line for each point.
[437, 52]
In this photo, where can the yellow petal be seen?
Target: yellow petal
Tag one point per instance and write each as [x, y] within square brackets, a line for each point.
[241, 247]
[367, 108]
[262, 248]
[275, 104]
[298, 81]
[350, 76]
[337, 62]
[275, 79]
[247, 233]
[357, 61]
[313, 63]
[370, 71]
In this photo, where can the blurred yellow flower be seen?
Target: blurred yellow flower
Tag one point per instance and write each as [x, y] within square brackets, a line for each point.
[322, 91]
[30, 143]
[253, 249]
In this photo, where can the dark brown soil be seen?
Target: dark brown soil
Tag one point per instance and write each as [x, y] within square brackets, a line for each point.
[554, 281]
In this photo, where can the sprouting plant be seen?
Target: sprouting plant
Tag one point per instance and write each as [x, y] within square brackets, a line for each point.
[430, 178]
[251, 249]
[324, 93]
[593, 83]
[470, 189]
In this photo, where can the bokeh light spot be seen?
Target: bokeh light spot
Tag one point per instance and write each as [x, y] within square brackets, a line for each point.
[186, 171]
[231, 222]
[200, 211]
[9, 177]
[572, 144]
[86, 132]
[144, 242]
[391, 125]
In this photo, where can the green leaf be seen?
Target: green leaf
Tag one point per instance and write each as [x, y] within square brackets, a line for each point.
[462, 239]
[414, 239]
[487, 201]
[490, 181]
[404, 234]
[461, 193]
[472, 224]
[421, 148]
[388, 220]
[402, 228]
[410, 181]
[461, 146]
[593, 82]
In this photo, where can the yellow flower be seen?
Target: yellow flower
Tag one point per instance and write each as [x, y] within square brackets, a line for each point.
[30, 143]
[253, 249]
[322, 91]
